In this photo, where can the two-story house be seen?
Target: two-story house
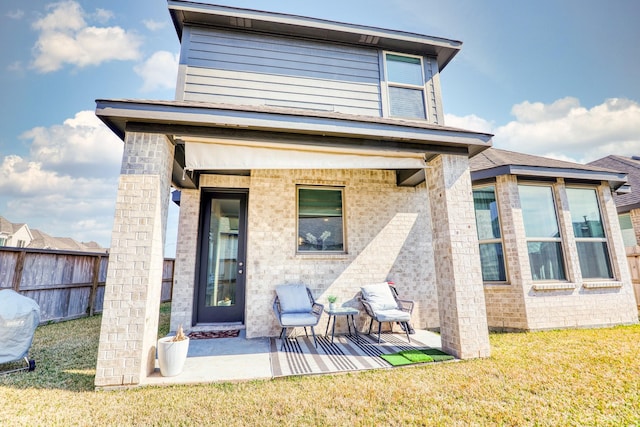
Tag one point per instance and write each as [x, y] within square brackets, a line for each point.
[304, 151]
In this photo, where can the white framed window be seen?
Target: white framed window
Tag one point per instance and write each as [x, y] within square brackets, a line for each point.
[544, 241]
[3, 241]
[588, 229]
[626, 226]
[489, 234]
[320, 219]
[21, 243]
[405, 84]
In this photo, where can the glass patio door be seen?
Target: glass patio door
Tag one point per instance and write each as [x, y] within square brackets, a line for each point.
[221, 287]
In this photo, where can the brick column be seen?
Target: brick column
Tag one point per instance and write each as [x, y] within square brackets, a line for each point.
[185, 266]
[461, 303]
[126, 352]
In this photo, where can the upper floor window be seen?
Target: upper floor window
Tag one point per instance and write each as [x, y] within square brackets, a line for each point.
[544, 243]
[589, 231]
[3, 241]
[626, 226]
[405, 86]
[489, 235]
[320, 220]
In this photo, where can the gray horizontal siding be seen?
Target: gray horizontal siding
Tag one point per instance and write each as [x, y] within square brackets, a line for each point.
[264, 70]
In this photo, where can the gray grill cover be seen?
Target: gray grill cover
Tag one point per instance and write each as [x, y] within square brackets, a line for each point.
[19, 318]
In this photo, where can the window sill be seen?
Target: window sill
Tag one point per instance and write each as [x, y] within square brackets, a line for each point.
[554, 286]
[320, 255]
[496, 284]
[601, 285]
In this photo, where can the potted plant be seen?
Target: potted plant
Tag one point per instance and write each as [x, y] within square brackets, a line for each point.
[332, 302]
[172, 353]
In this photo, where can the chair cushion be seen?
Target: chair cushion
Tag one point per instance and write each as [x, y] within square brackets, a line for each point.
[392, 316]
[379, 296]
[298, 319]
[293, 299]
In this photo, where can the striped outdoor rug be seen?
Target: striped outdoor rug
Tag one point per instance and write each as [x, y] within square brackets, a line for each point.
[300, 357]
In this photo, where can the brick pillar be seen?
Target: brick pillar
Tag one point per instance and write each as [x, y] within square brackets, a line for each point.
[185, 266]
[461, 303]
[126, 352]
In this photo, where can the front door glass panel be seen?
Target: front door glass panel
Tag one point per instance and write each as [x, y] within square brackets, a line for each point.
[222, 262]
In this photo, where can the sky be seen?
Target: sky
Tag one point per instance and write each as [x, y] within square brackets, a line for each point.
[556, 78]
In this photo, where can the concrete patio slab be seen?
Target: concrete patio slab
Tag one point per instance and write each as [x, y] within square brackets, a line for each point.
[221, 360]
[238, 359]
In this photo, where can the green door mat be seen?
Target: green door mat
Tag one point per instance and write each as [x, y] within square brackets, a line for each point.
[408, 357]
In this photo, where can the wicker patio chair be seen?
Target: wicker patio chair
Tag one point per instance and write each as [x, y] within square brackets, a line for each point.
[294, 306]
[382, 305]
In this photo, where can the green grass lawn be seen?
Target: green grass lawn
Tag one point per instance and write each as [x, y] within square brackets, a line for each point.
[572, 377]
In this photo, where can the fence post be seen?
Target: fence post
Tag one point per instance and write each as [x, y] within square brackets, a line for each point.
[17, 275]
[94, 285]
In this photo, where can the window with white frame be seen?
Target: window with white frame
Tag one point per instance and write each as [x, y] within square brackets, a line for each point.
[628, 233]
[320, 219]
[3, 241]
[544, 242]
[589, 232]
[489, 234]
[405, 86]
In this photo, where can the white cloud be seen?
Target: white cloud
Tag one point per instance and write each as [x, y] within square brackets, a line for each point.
[154, 25]
[15, 66]
[68, 185]
[66, 38]
[565, 129]
[470, 122]
[15, 14]
[103, 15]
[81, 146]
[159, 71]
[69, 180]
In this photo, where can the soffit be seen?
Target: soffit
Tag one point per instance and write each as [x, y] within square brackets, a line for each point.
[191, 13]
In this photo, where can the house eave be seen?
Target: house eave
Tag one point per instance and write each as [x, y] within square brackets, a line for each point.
[118, 114]
[198, 14]
[615, 180]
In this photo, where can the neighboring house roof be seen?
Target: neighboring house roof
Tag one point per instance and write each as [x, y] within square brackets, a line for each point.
[631, 166]
[493, 162]
[42, 240]
[8, 227]
[192, 13]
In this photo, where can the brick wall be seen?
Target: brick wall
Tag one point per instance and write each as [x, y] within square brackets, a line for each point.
[387, 233]
[134, 281]
[522, 304]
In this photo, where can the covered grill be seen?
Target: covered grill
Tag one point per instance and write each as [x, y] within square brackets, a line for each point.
[19, 318]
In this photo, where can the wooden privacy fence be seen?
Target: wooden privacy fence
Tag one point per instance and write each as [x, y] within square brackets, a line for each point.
[633, 258]
[65, 284]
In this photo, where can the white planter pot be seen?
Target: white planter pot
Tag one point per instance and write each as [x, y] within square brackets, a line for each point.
[172, 355]
[332, 306]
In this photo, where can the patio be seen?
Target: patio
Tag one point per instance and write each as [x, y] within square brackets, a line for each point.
[241, 359]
